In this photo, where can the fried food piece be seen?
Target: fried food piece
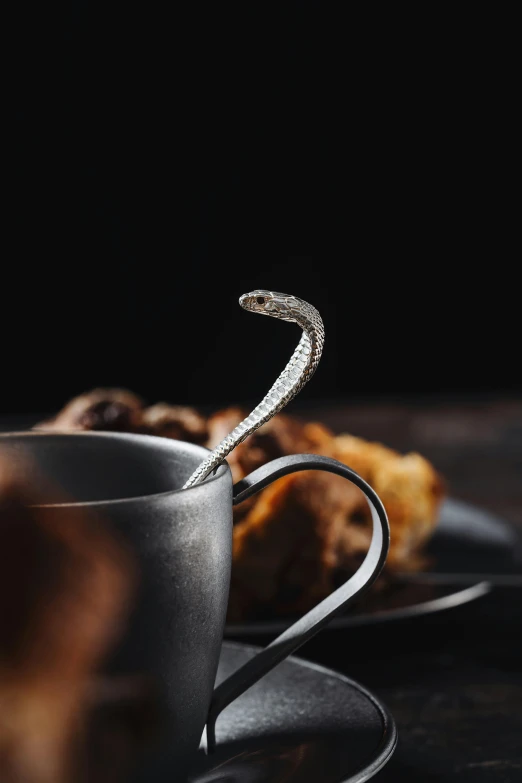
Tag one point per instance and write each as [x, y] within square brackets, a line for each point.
[286, 550]
[100, 409]
[268, 540]
[305, 534]
[65, 585]
[410, 489]
[175, 421]
[280, 436]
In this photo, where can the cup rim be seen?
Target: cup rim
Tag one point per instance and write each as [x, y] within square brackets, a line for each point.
[221, 471]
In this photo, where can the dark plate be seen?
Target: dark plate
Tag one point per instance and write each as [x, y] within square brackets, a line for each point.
[301, 723]
[467, 540]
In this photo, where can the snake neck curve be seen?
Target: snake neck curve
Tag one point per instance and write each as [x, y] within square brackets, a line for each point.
[300, 368]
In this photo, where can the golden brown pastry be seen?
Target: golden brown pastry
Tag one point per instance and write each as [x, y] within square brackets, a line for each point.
[409, 487]
[305, 533]
[280, 436]
[286, 550]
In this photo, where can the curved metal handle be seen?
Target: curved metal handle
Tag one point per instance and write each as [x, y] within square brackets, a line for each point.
[312, 622]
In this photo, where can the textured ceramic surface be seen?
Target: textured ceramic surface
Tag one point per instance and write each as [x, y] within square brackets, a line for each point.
[183, 542]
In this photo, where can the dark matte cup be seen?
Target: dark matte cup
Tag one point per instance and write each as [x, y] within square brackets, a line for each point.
[183, 542]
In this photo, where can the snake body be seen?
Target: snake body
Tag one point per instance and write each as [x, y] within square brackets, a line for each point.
[296, 374]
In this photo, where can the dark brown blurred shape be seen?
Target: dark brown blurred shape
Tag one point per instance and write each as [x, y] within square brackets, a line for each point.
[296, 540]
[115, 410]
[175, 421]
[66, 584]
[118, 410]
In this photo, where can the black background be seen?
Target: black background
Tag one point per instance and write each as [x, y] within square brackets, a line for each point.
[161, 166]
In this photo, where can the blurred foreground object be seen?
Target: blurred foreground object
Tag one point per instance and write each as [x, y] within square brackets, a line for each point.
[296, 540]
[65, 588]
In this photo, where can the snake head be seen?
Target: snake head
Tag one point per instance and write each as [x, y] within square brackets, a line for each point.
[270, 303]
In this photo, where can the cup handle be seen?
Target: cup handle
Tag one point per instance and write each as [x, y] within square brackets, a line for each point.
[312, 622]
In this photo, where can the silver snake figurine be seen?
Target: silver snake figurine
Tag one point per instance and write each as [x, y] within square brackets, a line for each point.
[296, 374]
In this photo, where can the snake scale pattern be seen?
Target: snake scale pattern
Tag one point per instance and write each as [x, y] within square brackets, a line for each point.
[296, 374]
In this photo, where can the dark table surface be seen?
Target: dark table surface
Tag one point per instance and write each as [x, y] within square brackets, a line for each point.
[453, 681]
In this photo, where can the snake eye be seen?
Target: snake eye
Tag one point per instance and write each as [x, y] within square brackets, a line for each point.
[260, 299]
